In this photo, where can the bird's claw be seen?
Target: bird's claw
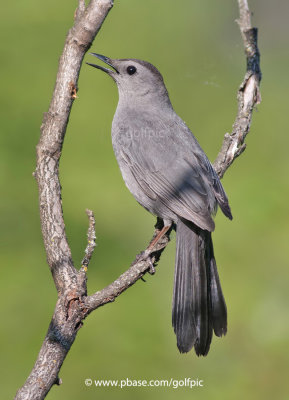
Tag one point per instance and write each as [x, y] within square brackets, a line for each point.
[145, 256]
[152, 269]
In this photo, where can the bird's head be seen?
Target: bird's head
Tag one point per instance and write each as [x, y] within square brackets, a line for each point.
[136, 79]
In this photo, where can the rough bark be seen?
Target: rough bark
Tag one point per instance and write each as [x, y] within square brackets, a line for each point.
[73, 304]
[70, 284]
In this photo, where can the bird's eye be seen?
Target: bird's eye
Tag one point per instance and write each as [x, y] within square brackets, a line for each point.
[131, 69]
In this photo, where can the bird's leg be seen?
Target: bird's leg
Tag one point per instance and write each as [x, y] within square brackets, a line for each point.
[158, 237]
[145, 255]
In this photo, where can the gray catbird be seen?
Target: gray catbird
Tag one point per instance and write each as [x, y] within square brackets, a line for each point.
[168, 173]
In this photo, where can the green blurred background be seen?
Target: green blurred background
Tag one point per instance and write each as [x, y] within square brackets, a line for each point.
[197, 47]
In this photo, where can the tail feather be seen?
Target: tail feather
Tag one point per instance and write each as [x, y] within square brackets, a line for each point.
[201, 293]
[219, 309]
[198, 302]
[183, 323]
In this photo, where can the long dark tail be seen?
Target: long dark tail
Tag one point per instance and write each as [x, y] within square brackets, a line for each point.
[198, 304]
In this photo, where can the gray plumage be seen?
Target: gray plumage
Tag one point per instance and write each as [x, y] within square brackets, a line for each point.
[168, 173]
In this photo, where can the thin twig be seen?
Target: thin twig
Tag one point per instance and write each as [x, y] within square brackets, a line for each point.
[136, 271]
[90, 241]
[248, 94]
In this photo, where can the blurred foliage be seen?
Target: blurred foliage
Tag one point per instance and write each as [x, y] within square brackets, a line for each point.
[197, 47]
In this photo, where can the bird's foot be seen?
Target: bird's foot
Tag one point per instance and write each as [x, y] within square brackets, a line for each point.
[152, 269]
[146, 256]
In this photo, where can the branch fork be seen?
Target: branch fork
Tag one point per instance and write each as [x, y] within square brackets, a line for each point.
[73, 304]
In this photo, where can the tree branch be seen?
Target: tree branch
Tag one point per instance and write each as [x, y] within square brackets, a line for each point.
[70, 284]
[90, 241]
[73, 304]
[248, 95]
[137, 269]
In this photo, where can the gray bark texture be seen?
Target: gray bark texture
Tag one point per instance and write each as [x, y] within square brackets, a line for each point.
[73, 305]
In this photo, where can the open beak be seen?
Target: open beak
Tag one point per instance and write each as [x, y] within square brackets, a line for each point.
[107, 61]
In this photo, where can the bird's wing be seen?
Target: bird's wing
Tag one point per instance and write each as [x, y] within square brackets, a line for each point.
[164, 173]
[170, 166]
[215, 184]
